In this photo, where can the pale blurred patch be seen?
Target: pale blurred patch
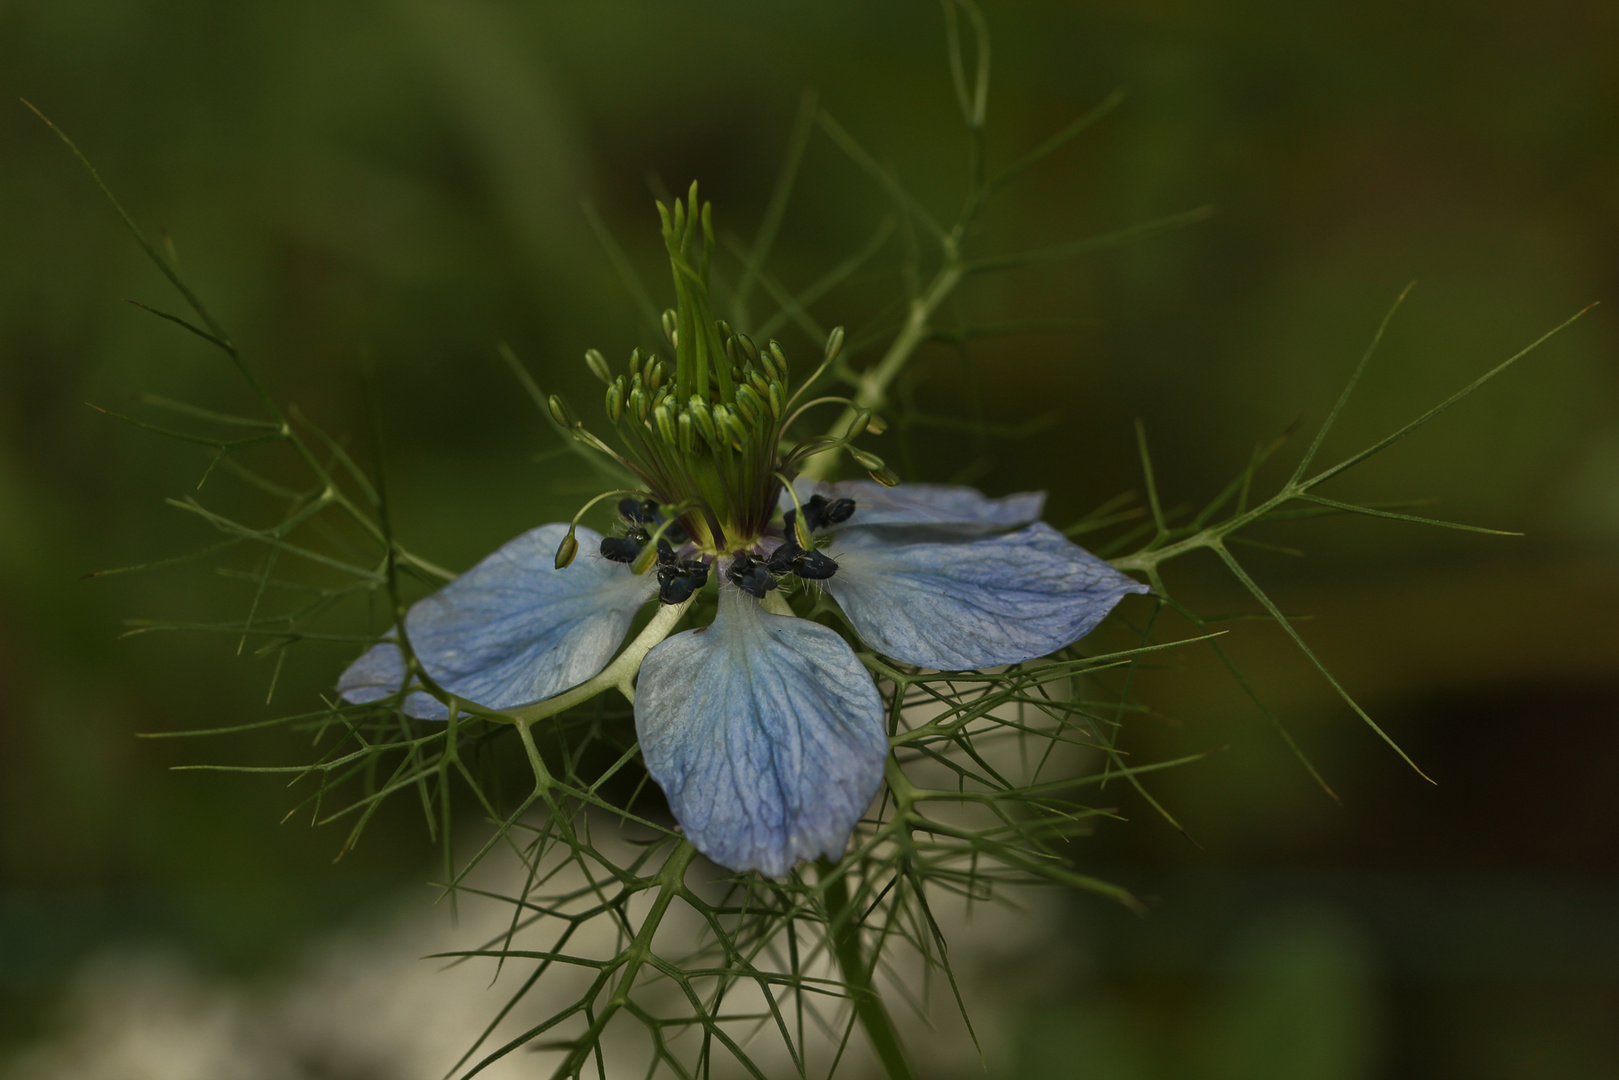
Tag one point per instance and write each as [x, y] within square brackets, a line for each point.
[365, 1004]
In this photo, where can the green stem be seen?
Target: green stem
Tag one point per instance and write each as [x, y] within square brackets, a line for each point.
[857, 976]
[873, 387]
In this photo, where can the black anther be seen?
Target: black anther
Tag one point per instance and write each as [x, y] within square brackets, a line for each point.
[620, 548]
[751, 576]
[815, 565]
[678, 580]
[819, 512]
[838, 511]
[781, 560]
[632, 510]
[676, 590]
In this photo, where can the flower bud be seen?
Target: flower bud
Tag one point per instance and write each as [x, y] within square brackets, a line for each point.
[730, 424]
[615, 400]
[750, 404]
[834, 343]
[657, 373]
[698, 408]
[876, 425]
[559, 411]
[635, 362]
[567, 550]
[671, 321]
[639, 406]
[779, 357]
[749, 350]
[861, 419]
[597, 363]
[665, 421]
[775, 399]
[686, 429]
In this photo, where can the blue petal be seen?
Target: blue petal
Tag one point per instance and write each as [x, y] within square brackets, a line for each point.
[972, 603]
[511, 631]
[958, 509]
[766, 734]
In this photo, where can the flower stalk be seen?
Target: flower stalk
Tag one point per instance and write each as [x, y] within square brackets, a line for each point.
[844, 925]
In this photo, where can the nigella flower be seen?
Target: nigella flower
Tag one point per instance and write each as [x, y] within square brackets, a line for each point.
[764, 730]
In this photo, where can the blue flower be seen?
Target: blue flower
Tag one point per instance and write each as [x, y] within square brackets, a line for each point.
[765, 731]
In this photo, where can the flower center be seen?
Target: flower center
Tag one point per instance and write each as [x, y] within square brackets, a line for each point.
[704, 433]
[756, 570]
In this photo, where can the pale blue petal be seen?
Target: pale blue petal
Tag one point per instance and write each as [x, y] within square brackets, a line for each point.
[945, 506]
[765, 733]
[959, 605]
[513, 630]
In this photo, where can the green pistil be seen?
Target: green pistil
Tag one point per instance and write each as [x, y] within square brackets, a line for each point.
[705, 432]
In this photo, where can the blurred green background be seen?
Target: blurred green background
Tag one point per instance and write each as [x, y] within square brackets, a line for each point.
[402, 179]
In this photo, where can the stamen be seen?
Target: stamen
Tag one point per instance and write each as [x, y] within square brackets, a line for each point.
[624, 549]
[566, 551]
[819, 512]
[798, 526]
[570, 543]
[815, 565]
[678, 580]
[875, 467]
[750, 575]
[797, 553]
[662, 552]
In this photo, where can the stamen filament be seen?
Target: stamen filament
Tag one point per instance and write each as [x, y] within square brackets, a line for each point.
[811, 404]
[800, 526]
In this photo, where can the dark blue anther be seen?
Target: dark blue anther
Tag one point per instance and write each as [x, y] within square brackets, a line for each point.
[620, 548]
[789, 558]
[643, 516]
[819, 512]
[750, 575]
[814, 565]
[678, 580]
[676, 590]
[781, 560]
